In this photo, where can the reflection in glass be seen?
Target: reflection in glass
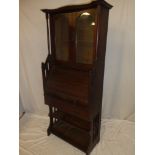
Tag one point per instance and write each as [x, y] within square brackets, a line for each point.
[85, 14]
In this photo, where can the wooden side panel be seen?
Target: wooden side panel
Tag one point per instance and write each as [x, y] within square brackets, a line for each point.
[98, 71]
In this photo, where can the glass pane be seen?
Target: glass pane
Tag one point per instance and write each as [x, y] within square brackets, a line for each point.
[62, 37]
[85, 26]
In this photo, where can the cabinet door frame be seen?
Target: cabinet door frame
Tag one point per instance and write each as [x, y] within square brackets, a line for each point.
[72, 47]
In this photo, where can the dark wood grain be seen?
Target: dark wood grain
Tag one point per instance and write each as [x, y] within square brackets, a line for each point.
[73, 91]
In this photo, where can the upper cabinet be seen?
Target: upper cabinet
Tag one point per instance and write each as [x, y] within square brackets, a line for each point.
[75, 36]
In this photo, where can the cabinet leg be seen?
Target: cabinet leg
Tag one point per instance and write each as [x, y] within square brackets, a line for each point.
[88, 153]
[49, 128]
[48, 131]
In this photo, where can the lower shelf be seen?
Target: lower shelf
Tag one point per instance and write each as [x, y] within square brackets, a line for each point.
[72, 135]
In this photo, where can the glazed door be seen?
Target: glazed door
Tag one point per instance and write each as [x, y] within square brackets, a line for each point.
[62, 36]
[85, 36]
[75, 36]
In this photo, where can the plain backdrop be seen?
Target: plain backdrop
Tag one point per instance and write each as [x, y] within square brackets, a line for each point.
[118, 92]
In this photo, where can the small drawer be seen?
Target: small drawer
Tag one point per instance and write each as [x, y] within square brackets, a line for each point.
[75, 121]
[68, 107]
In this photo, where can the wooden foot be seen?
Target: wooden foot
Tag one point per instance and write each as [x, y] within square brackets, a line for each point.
[48, 131]
[88, 153]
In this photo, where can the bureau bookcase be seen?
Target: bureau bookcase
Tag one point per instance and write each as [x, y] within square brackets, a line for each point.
[73, 72]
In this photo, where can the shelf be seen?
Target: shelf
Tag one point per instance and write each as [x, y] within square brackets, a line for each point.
[71, 134]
